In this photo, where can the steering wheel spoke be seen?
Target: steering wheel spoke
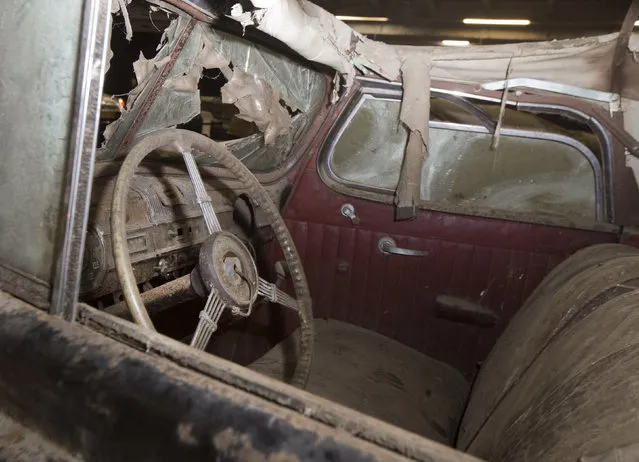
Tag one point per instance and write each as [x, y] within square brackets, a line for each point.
[209, 319]
[271, 292]
[226, 272]
[203, 198]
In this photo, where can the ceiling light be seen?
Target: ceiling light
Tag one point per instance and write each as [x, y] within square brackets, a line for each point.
[363, 18]
[455, 43]
[636, 23]
[497, 22]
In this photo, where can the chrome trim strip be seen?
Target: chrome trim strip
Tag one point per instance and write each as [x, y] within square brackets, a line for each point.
[94, 42]
[552, 87]
[605, 141]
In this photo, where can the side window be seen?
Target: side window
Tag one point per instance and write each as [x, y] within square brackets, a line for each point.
[537, 167]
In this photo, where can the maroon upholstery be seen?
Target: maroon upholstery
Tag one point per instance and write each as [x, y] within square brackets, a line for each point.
[496, 263]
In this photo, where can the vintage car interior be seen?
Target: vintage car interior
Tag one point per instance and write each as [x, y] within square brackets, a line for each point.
[244, 208]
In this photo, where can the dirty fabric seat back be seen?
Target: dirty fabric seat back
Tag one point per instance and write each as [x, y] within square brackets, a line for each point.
[559, 384]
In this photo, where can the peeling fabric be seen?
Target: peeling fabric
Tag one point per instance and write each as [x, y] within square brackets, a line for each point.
[257, 103]
[120, 6]
[319, 36]
[208, 58]
[143, 67]
[315, 34]
[502, 108]
[415, 115]
[175, 110]
[260, 81]
[109, 53]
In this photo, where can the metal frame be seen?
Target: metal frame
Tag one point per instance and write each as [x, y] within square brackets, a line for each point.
[604, 130]
[392, 91]
[83, 137]
[569, 90]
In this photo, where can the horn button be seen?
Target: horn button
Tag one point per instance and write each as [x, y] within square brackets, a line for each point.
[226, 266]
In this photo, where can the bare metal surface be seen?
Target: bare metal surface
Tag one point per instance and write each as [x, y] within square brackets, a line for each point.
[483, 117]
[348, 211]
[209, 318]
[277, 295]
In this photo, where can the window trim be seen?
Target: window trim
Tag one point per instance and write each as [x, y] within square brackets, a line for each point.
[392, 91]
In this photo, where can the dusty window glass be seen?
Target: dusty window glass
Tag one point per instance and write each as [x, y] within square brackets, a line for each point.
[524, 174]
[370, 150]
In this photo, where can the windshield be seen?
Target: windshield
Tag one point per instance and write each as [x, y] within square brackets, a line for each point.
[212, 76]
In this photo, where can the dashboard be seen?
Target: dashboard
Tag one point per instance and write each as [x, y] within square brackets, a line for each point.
[165, 228]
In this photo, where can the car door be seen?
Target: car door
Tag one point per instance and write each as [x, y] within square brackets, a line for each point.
[492, 224]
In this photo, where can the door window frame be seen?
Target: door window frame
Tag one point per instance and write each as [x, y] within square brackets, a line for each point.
[368, 88]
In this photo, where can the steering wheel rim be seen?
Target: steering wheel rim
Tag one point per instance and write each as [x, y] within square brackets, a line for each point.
[185, 141]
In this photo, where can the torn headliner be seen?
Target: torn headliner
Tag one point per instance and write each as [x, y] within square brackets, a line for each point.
[318, 36]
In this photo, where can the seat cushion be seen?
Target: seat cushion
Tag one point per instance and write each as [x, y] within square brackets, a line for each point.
[378, 377]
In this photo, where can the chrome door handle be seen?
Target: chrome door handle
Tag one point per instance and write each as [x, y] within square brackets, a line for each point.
[388, 246]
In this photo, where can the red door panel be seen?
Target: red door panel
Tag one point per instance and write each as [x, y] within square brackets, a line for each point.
[495, 263]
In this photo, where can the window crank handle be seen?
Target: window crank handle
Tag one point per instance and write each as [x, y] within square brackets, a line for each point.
[348, 211]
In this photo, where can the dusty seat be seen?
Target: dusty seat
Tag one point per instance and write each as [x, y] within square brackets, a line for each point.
[378, 377]
[560, 384]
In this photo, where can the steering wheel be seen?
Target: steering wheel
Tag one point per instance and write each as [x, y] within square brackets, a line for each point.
[226, 269]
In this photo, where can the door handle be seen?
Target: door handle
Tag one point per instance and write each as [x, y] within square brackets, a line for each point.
[387, 246]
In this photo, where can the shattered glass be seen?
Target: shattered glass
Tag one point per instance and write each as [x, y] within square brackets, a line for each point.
[299, 86]
[266, 86]
[261, 157]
